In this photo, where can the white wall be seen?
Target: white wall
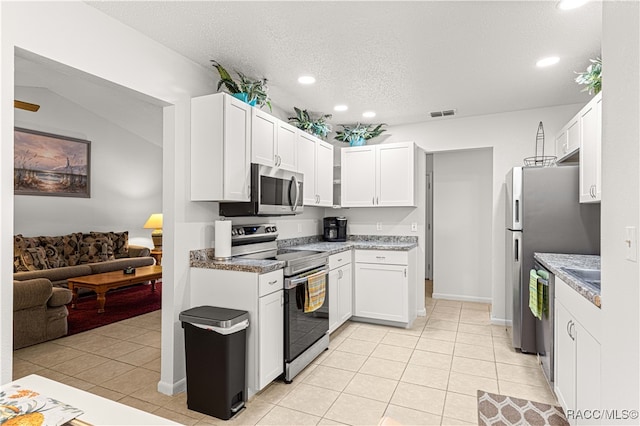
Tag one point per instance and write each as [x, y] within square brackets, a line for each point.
[512, 136]
[620, 380]
[462, 211]
[83, 38]
[125, 174]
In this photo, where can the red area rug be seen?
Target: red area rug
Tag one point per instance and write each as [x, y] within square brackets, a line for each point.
[121, 304]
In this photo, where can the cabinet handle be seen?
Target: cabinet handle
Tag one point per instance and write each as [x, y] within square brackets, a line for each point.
[340, 274]
[273, 282]
[339, 260]
[373, 201]
[568, 327]
[405, 272]
[377, 201]
[381, 257]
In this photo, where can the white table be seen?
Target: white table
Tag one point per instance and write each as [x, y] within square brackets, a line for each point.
[97, 410]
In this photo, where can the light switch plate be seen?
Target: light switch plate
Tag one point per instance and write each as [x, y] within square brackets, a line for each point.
[414, 226]
[631, 243]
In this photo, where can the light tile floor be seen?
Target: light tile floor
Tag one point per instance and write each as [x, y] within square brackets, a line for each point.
[426, 375]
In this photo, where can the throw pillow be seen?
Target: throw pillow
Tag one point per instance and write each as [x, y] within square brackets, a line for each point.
[120, 241]
[35, 259]
[93, 250]
[20, 244]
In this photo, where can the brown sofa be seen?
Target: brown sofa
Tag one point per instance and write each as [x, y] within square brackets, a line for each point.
[62, 257]
[39, 312]
[42, 265]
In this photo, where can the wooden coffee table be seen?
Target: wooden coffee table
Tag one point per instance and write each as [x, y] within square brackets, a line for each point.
[101, 283]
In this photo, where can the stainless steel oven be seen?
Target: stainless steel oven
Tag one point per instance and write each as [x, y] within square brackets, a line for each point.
[306, 335]
[274, 192]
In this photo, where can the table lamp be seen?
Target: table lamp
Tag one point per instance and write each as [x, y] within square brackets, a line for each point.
[155, 222]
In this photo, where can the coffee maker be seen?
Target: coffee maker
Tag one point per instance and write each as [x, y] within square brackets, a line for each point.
[335, 229]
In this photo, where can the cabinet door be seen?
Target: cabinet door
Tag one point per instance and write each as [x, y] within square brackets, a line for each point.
[381, 292]
[334, 277]
[324, 173]
[588, 161]
[561, 144]
[237, 150]
[573, 135]
[287, 151]
[587, 372]
[565, 357]
[345, 293]
[358, 176]
[395, 175]
[264, 131]
[307, 166]
[271, 339]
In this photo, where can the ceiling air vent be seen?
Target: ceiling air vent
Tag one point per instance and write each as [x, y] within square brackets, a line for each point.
[445, 113]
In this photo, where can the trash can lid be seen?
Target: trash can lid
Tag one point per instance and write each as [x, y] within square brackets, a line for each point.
[214, 316]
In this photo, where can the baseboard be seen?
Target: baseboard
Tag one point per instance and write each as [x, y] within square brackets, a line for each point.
[462, 298]
[422, 312]
[501, 321]
[172, 388]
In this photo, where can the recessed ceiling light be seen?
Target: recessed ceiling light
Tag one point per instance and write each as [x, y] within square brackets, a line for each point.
[340, 108]
[571, 4]
[306, 79]
[368, 114]
[545, 62]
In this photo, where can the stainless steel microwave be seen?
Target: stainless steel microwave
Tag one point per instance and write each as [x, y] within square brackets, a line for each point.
[274, 192]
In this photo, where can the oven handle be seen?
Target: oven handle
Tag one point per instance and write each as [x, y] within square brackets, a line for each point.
[294, 282]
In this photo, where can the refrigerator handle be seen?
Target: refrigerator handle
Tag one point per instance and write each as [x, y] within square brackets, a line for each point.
[516, 249]
[517, 211]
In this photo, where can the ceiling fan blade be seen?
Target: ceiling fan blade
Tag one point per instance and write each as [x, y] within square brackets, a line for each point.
[26, 106]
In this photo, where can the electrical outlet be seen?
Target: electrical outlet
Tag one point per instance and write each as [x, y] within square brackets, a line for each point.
[414, 226]
[631, 243]
[379, 226]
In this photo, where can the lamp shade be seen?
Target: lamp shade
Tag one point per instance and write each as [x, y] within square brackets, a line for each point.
[154, 221]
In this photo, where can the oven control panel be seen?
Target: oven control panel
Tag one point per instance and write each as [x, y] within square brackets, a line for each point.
[245, 234]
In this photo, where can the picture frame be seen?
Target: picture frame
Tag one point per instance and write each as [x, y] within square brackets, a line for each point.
[49, 164]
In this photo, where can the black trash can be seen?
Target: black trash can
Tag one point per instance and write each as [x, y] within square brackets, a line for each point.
[215, 341]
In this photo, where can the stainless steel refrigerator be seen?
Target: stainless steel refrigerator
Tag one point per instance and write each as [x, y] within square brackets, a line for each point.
[543, 215]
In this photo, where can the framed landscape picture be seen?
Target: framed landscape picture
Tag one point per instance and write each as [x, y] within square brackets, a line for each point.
[48, 164]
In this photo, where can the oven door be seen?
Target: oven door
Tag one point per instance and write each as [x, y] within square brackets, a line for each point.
[278, 192]
[301, 330]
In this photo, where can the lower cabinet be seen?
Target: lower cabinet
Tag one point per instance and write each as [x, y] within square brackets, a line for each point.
[382, 285]
[270, 323]
[577, 355]
[262, 296]
[340, 289]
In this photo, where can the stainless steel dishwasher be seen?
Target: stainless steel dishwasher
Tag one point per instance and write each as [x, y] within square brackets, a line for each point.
[545, 327]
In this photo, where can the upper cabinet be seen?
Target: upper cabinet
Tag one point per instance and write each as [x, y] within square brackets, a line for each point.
[590, 149]
[315, 161]
[581, 138]
[379, 175]
[273, 142]
[220, 148]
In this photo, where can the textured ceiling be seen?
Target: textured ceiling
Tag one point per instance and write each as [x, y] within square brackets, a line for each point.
[400, 59]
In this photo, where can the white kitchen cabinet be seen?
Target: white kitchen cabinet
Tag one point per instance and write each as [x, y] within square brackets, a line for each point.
[220, 148]
[262, 296]
[568, 141]
[379, 175]
[577, 352]
[273, 142]
[315, 161]
[340, 289]
[271, 338]
[385, 286]
[590, 149]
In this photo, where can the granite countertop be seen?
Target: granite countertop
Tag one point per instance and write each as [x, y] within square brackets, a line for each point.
[555, 262]
[205, 258]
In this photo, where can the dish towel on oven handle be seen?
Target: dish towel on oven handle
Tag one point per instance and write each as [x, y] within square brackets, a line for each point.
[316, 290]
